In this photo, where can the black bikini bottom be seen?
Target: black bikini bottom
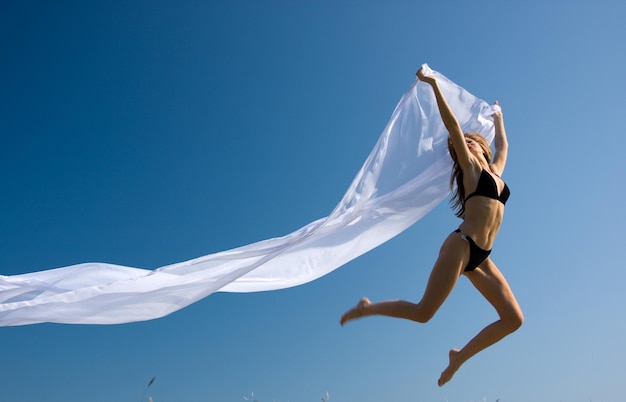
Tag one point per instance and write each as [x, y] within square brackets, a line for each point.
[477, 254]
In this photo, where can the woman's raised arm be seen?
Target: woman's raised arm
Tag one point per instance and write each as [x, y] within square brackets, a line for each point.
[449, 120]
[501, 144]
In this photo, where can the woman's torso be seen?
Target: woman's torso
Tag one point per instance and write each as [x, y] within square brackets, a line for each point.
[484, 206]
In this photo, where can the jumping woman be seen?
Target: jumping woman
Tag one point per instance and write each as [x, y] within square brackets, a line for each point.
[466, 250]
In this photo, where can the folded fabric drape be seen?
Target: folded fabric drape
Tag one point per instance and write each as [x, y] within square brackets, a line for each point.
[404, 177]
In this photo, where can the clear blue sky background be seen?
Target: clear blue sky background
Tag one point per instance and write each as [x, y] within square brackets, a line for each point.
[145, 133]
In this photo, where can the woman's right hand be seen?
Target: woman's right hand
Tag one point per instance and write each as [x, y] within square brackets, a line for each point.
[421, 75]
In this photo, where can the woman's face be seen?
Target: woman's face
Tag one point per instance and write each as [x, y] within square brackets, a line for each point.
[473, 146]
[476, 148]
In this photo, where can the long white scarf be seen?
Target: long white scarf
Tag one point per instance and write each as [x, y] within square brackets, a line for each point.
[405, 176]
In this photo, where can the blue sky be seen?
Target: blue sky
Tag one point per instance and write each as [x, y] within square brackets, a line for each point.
[145, 133]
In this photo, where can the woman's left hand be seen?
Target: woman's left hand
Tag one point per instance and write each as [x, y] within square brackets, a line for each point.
[426, 78]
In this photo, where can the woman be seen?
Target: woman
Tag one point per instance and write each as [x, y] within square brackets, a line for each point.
[466, 250]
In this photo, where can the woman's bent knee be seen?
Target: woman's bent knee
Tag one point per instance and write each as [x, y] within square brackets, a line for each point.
[423, 316]
[514, 322]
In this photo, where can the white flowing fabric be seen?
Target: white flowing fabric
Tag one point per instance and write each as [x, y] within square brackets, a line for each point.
[405, 176]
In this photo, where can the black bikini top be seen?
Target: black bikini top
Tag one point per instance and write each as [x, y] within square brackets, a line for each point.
[487, 188]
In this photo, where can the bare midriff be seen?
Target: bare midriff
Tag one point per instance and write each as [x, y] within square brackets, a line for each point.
[483, 217]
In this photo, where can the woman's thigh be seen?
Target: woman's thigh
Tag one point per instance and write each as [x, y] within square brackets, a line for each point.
[490, 282]
[453, 256]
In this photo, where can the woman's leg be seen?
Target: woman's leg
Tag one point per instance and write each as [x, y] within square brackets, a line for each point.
[453, 255]
[492, 285]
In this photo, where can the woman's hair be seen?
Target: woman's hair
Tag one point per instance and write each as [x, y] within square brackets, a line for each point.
[456, 178]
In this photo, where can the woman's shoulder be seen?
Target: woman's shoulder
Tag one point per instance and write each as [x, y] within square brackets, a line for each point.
[474, 168]
[495, 170]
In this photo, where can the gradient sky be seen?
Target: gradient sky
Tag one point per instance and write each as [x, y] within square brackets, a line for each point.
[145, 133]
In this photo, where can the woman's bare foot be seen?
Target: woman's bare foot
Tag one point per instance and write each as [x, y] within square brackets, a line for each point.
[356, 312]
[453, 366]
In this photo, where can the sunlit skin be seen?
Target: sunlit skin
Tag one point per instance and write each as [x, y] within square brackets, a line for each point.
[481, 221]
